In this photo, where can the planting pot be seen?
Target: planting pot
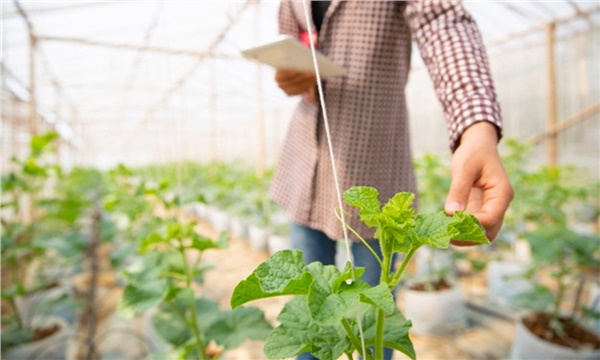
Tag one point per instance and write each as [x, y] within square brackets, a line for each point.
[429, 261]
[527, 345]
[278, 242]
[258, 237]
[219, 219]
[238, 227]
[505, 282]
[199, 209]
[53, 346]
[522, 251]
[434, 312]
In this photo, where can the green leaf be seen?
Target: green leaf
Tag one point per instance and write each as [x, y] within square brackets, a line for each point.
[399, 208]
[435, 230]
[538, 299]
[202, 243]
[438, 229]
[469, 228]
[379, 296]
[298, 333]
[170, 326]
[232, 328]
[222, 240]
[139, 298]
[327, 307]
[207, 312]
[395, 332]
[347, 275]
[40, 142]
[70, 245]
[15, 335]
[393, 222]
[365, 198]
[284, 273]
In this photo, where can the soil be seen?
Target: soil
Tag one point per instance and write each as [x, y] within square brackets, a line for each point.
[42, 333]
[576, 337]
[438, 285]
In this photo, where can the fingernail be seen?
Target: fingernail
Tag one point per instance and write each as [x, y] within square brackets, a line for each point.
[454, 206]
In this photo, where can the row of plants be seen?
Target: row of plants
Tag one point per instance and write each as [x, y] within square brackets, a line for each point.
[73, 239]
[231, 198]
[544, 261]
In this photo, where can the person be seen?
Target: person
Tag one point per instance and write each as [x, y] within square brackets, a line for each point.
[368, 117]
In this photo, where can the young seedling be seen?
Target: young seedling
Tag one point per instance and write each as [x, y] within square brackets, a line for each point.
[331, 315]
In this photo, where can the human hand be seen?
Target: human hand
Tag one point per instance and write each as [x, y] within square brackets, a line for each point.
[294, 82]
[479, 182]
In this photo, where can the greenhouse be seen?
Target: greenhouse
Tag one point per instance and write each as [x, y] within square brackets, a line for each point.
[148, 211]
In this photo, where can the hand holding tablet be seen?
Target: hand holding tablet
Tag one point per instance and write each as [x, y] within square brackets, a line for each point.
[287, 53]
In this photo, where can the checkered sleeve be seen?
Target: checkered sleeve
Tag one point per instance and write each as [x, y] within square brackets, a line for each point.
[287, 20]
[452, 49]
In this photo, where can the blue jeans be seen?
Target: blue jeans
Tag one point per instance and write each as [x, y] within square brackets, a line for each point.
[316, 246]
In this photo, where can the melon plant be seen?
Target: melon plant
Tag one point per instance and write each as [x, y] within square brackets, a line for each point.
[333, 312]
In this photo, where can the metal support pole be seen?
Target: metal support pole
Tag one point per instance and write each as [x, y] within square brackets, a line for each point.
[212, 128]
[551, 72]
[260, 121]
[32, 88]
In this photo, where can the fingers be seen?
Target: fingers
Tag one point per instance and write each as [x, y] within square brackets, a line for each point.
[295, 82]
[460, 189]
[493, 207]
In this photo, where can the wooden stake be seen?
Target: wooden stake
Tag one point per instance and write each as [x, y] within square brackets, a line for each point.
[552, 137]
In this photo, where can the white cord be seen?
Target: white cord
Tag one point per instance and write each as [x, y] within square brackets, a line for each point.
[332, 157]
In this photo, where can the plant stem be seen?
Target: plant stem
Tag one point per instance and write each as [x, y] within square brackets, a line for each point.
[365, 242]
[405, 262]
[379, 334]
[193, 320]
[13, 304]
[353, 339]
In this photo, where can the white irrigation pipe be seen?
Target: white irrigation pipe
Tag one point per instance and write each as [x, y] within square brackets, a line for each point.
[332, 158]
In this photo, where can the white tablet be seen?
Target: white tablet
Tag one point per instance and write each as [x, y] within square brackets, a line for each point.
[288, 53]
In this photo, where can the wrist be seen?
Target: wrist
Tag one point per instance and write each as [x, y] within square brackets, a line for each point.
[481, 133]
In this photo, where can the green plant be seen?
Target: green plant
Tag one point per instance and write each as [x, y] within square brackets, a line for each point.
[332, 312]
[564, 255]
[165, 276]
[22, 228]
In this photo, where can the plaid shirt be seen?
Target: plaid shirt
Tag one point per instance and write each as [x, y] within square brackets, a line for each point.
[367, 108]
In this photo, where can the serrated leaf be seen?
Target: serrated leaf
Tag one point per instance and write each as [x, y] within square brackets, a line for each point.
[469, 228]
[327, 307]
[364, 198]
[232, 328]
[379, 296]
[435, 230]
[399, 208]
[284, 273]
[298, 333]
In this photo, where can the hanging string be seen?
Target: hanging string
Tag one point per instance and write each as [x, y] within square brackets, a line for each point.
[332, 158]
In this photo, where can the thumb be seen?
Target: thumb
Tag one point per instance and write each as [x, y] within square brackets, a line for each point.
[460, 189]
